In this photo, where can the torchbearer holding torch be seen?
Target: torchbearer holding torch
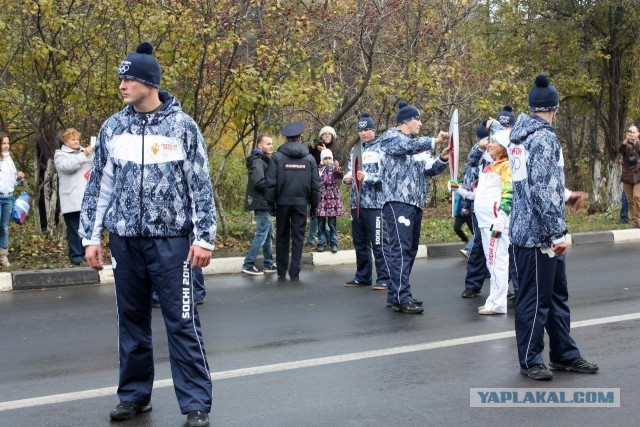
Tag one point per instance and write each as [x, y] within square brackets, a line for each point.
[404, 183]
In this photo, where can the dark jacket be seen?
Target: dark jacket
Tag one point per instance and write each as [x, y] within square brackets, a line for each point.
[257, 164]
[630, 173]
[292, 177]
[333, 147]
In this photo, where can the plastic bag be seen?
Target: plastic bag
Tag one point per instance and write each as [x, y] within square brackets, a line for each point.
[21, 208]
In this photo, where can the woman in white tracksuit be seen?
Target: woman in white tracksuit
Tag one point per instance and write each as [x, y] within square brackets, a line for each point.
[493, 199]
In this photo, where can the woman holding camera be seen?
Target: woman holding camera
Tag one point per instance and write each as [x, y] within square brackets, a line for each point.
[326, 141]
[630, 150]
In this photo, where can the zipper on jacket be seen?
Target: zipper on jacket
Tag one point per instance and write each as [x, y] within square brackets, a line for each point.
[144, 125]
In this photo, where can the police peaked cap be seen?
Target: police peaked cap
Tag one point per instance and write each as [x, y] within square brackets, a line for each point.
[293, 130]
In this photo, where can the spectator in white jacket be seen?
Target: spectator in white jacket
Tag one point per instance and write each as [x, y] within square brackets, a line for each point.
[73, 164]
[9, 178]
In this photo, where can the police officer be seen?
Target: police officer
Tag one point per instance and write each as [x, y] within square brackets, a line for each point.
[292, 183]
[366, 228]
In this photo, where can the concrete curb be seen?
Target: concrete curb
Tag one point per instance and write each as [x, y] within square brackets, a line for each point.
[36, 279]
[594, 237]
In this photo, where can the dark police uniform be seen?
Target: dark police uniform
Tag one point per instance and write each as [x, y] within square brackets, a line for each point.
[292, 183]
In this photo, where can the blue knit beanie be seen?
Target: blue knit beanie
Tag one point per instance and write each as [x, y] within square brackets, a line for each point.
[506, 117]
[406, 112]
[141, 66]
[481, 130]
[543, 96]
[365, 122]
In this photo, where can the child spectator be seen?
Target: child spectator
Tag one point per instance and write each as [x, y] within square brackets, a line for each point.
[330, 205]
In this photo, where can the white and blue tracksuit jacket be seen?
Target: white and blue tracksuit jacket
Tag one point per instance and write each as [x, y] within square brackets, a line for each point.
[150, 178]
[371, 187]
[537, 169]
[405, 167]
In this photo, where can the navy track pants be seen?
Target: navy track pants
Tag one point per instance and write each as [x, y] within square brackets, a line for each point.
[542, 302]
[368, 234]
[403, 229]
[141, 265]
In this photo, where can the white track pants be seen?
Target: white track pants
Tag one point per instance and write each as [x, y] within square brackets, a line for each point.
[496, 250]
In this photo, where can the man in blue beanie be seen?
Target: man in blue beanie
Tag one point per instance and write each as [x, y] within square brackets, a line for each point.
[538, 232]
[366, 229]
[404, 188]
[150, 188]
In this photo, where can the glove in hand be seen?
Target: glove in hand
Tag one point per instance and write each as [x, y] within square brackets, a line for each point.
[499, 224]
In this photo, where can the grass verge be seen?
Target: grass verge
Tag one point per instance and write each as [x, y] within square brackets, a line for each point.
[29, 250]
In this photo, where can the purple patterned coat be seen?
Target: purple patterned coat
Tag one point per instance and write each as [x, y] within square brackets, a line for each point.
[330, 202]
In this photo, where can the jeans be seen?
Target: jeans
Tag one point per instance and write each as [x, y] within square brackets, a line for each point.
[313, 231]
[76, 251]
[469, 245]
[6, 207]
[262, 239]
[624, 208]
[323, 235]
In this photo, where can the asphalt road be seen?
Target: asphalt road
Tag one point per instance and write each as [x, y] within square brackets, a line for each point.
[313, 353]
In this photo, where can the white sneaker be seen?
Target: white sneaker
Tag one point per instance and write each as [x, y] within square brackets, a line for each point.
[487, 311]
[465, 253]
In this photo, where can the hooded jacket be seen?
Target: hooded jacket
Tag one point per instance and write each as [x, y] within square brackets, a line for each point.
[405, 167]
[150, 178]
[537, 171]
[257, 164]
[292, 177]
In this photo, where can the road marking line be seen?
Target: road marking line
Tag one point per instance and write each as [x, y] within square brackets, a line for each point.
[307, 363]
